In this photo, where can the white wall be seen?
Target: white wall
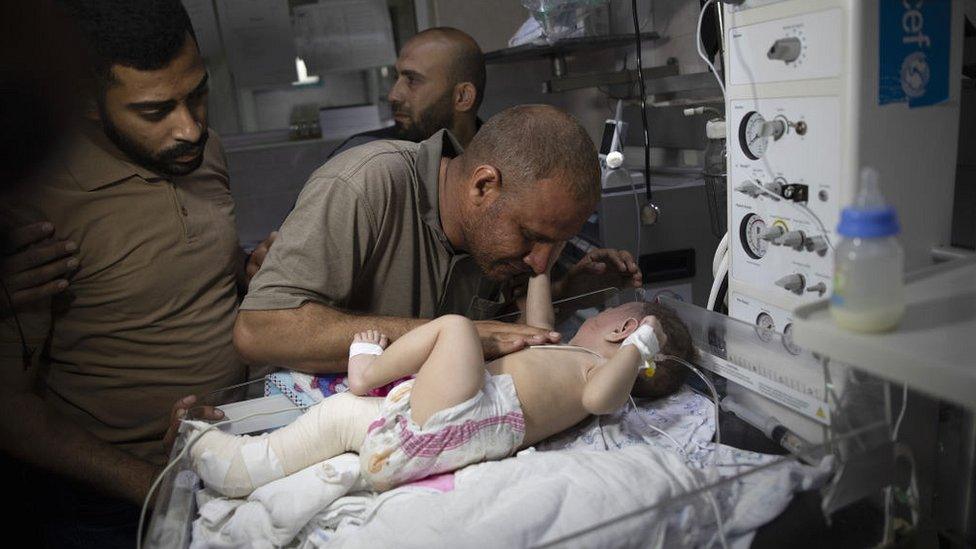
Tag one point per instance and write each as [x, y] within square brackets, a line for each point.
[489, 22]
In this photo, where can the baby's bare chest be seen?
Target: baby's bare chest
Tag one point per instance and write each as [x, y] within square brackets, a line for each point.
[546, 375]
[549, 384]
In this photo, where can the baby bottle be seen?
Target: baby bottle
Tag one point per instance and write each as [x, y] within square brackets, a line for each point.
[868, 263]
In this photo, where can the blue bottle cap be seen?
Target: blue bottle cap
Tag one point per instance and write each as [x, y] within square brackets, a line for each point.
[868, 223]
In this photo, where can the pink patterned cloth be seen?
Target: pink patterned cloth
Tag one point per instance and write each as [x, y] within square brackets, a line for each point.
[451, 437]
[488, 426]
[307, 390]
[441, 483]
[332, 384]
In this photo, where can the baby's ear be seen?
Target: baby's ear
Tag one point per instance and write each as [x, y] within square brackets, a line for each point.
[622, 330]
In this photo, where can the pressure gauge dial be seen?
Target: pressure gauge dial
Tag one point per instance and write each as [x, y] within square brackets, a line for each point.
[765, 327]
[754, 133]
[751, 232]
[788, 342]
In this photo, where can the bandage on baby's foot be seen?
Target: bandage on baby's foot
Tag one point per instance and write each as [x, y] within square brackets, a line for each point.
[236, 465]
[364, 348]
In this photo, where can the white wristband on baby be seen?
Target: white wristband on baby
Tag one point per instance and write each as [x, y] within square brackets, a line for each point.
[645, 340]
[364, 348]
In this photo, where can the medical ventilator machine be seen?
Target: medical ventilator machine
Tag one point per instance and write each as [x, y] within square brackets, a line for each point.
[815, 91]
[822, 97]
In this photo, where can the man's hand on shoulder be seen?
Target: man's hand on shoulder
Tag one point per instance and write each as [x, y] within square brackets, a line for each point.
[34, 265]
[501, 338]
[256, 259]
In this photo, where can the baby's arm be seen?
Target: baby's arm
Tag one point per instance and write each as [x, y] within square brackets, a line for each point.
[538, 303]
[610, 383]
[538, 300]
[607, 389]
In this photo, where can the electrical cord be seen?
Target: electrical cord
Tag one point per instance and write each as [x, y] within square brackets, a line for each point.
[643, 104]
[708, 383]
[889, 490]
[720, 251]
[637, 210]
[901, 414]
[720, 270]
[701, 52]
[183, 453]
[718, 438]
[721, 256]
[720, 304]
[677, 445]
[720, 523]
[719, 281]
[618, 116]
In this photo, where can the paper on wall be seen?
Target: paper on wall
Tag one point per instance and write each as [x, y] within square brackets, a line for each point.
[344, 35]
[259, 41]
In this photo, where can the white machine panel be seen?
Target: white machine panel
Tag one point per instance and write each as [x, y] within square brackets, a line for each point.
[808, 125]
[751, 4]
[770, 321]
[806, 112]
[811, 160]
[795, 48]
[792, 391]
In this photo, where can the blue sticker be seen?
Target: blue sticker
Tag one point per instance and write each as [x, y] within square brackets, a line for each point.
[914, 39]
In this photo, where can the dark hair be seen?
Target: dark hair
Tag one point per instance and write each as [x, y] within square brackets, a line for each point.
[142, 34]
[669, 375]
[468, 61]
[527, 143]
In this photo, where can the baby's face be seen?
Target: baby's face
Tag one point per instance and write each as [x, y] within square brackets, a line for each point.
[603, 324]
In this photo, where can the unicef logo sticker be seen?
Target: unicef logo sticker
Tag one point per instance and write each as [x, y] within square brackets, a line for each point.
[915, 74]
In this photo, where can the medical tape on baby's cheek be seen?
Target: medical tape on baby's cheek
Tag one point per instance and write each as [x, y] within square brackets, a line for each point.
[364, 348]
[261, 462]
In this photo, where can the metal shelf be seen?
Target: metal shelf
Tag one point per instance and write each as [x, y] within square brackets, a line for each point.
[933, 350]
[529, 52]
[663, 81]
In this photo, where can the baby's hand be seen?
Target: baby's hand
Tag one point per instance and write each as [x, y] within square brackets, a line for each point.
[648, 338]
[655, 324]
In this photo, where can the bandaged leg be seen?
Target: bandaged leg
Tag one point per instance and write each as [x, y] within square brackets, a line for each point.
[236, 465]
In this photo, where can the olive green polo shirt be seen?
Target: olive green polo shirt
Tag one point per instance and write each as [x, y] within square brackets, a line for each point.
[365, 236]
[148, 316]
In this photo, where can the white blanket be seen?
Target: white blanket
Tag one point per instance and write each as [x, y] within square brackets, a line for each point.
[604, 468]
[575, 498]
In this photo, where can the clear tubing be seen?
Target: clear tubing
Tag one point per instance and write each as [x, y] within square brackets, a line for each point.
[183, 452]
[711, 388]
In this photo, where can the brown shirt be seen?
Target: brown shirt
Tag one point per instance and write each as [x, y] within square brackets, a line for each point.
[366, 236]
[148, 317]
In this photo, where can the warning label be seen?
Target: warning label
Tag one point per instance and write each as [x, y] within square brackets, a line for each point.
[807, 404]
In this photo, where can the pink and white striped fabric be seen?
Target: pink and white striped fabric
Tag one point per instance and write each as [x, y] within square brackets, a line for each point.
[488, 426]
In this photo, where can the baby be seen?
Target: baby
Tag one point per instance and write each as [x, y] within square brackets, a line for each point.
[458, 410]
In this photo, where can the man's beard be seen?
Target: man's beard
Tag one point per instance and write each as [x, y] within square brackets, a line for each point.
[437, 117]
[163, 163]
[480, 234]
